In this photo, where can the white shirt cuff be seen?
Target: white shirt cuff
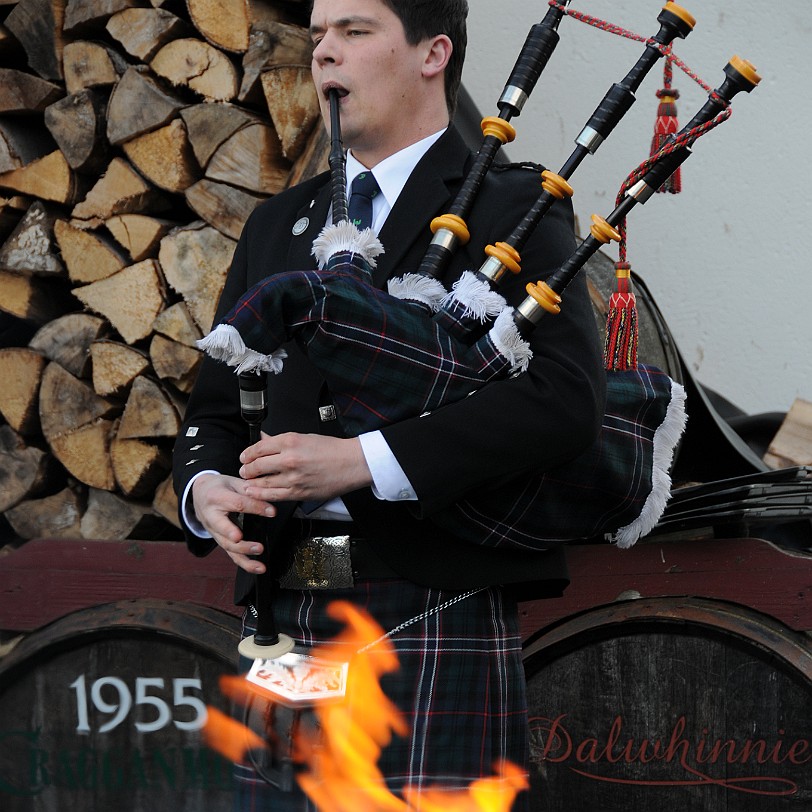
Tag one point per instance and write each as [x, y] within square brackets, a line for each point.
[389, 482]
[188, 508]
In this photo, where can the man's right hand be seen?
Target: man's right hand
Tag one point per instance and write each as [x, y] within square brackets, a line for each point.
[216, 499]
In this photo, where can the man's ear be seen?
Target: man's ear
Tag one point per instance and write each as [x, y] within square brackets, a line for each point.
[437, 56]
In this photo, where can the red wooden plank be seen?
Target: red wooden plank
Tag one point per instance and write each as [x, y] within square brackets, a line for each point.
[751, 572]
[46, 579]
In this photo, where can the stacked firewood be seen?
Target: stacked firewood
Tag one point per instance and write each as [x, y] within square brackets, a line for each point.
[135, 140]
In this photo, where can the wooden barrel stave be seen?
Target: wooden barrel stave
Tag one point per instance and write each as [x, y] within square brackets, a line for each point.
[673, 703]
[103, 708]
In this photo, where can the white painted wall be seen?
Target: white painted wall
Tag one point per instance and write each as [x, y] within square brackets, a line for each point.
[727, 260]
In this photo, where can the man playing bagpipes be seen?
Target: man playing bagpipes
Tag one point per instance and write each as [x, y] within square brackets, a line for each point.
[397, 65]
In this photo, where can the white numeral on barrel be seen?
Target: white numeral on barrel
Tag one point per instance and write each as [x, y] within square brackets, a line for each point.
[118, 710]
[113, 697]
[81, 705]
[181, 684]
[164, 715]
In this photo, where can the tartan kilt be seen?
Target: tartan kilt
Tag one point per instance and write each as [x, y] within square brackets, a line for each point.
[460, 686]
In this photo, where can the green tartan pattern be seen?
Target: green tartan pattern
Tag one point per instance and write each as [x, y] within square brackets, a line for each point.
[602, 490]
[383, 359]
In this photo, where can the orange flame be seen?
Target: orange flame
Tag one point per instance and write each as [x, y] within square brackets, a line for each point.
[343, 768]
[229, 737]
[494, 794]
[342, 773]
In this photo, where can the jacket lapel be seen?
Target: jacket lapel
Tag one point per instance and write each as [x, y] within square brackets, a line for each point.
[310, 220]
[428, 192]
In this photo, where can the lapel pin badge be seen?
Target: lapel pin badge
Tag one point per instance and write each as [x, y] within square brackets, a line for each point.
[300, 226]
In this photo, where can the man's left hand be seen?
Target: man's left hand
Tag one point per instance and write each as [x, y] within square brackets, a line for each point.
[295, 467]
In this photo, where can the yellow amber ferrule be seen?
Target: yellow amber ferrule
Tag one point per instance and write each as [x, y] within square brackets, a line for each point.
[602, 231]
[506, 254]
[503, 130]
[450, 222]
[623, 273]
[682, 13]
[555, 185]
[545, 296]
[746, 69]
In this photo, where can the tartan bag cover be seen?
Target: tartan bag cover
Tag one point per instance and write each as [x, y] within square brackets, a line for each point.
[617, 488]
[384, 360]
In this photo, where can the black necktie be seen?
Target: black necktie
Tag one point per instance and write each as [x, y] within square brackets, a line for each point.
[363, 189]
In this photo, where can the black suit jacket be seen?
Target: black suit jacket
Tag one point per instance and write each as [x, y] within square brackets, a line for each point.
[535, 421]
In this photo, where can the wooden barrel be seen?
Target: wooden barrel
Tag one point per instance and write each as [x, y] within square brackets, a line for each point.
[102, 711]
[669, 703]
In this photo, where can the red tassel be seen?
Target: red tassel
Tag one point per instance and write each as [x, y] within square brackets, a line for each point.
[620, 349]
[666, 125]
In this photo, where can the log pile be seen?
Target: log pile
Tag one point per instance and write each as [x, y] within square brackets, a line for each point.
[136, 136]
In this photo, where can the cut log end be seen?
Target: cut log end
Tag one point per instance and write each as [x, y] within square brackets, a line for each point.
[135, 141]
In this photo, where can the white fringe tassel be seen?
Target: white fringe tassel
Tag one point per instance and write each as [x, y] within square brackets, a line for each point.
[224, 343]
[477, 297]
[342, 237]
[510, 343]
[666, 438]
[415, 287]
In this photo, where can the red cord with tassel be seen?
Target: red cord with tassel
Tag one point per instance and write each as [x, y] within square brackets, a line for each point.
[666, 125]
[620, 351]
[622, 331]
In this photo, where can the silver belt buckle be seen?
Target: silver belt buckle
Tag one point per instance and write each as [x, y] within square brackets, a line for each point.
[320, 562]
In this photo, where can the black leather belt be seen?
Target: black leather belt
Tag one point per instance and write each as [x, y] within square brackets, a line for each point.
[328, 555]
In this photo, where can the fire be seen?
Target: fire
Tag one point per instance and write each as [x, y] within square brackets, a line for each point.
[494, 794]
[340, 772]
[229, 737]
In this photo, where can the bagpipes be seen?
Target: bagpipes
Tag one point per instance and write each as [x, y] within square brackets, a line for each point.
[443, 345]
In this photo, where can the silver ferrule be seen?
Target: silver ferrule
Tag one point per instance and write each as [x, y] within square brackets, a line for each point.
[514, 96]
[531, 310]
[641, 191]
[590, 139]
[252, 401]
[493, 269]
[445, 238]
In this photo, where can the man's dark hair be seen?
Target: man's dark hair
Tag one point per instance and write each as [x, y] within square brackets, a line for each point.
[423, 19]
